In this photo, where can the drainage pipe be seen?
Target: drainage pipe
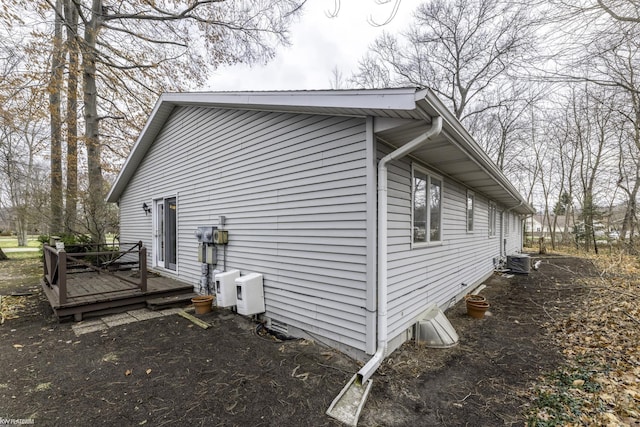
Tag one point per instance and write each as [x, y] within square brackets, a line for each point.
[372, 365]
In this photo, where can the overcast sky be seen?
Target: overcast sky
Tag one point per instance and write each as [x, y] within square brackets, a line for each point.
[318, 44]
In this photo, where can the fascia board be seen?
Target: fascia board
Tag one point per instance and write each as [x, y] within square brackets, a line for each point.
[427, 98]
[295, 101]
[158, 115]
[391, 99]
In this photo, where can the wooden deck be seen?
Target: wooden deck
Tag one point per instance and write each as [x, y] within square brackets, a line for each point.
[101, 281]
[95, 293]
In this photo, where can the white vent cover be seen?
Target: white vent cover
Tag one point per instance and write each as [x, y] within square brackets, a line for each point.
[250, 294]
[281, 328]
[435, 330]
[226, 288]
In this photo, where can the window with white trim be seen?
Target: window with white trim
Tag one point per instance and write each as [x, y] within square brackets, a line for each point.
[492, 219]
[427, 207]
[471, 201]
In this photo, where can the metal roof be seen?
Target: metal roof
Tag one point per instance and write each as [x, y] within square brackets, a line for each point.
[399, 116]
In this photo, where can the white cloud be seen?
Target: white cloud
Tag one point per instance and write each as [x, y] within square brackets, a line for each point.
[318, 45]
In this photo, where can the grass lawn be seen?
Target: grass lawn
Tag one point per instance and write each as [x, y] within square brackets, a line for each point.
[12, 242]
[22, 269]
[26, 255]
[7, 242]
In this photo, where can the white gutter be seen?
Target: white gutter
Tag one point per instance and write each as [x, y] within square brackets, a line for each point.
[515, 207]
[372, 365]
[465, 142]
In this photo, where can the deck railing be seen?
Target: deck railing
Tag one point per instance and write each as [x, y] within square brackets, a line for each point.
[58, 263]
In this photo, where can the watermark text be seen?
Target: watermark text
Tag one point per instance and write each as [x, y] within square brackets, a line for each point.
[16, 421]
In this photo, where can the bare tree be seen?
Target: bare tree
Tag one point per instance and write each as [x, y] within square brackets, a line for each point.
[459, 49]
[22, 139]
[621, 59]
[596, 44]
[337, 80]
[621, 10]
[22, 136]
[612, 58]
[145, 47]
[561, 138]
[73, 52]
[593, 117]
[126, 53]
[55, 117]
[504, 131]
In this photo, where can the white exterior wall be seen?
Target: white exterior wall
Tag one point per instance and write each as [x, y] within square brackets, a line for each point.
[513, 234]
[442, 272]
[293, 190]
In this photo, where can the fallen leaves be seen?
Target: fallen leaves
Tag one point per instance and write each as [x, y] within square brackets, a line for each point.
[11, 306]
[20, 277]
[600, 339]
[129, 372]
[43, 387]
[303, 376]
[110, 358]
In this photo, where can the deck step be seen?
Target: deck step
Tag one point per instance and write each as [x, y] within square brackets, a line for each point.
[160, 303]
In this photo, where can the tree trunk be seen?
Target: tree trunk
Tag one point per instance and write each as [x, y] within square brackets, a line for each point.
[71, 16]
[55, 89]
[629, 217]
[565, 232]
[588, 213]
[553, 231]
[95, 203]
[21, 232]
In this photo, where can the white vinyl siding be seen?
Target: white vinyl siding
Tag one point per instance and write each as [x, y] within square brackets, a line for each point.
[437, 274]
[492, 219]
[293, 191]
[514, 236]
[470, 209]
[507, 224]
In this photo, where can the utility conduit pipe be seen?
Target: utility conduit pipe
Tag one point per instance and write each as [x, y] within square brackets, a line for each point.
[372, 365]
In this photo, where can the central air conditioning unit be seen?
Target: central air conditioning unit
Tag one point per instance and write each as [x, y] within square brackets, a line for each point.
[250, 294]
[519, 264]
[225, 283]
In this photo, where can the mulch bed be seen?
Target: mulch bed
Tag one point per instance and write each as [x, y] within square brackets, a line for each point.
[167, 371]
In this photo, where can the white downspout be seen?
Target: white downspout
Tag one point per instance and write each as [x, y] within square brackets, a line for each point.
[372, 365]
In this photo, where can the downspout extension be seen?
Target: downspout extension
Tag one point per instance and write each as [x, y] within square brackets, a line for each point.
[372, 365]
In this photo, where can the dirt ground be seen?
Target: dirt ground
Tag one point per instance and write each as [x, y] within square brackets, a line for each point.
[168, 372]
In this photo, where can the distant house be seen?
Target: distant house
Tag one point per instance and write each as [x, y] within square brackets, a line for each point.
[353, 246]
[534, 226]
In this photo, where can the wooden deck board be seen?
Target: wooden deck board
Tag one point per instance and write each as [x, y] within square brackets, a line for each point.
[90, 292]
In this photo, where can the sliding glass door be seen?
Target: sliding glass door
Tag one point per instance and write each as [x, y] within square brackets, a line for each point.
[165, 235]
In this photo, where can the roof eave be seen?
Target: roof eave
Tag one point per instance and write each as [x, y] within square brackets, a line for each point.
[152, 127]
[432, 104]
[422, 101]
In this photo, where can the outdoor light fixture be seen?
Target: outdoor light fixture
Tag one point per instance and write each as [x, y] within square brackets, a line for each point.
[146, 209]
